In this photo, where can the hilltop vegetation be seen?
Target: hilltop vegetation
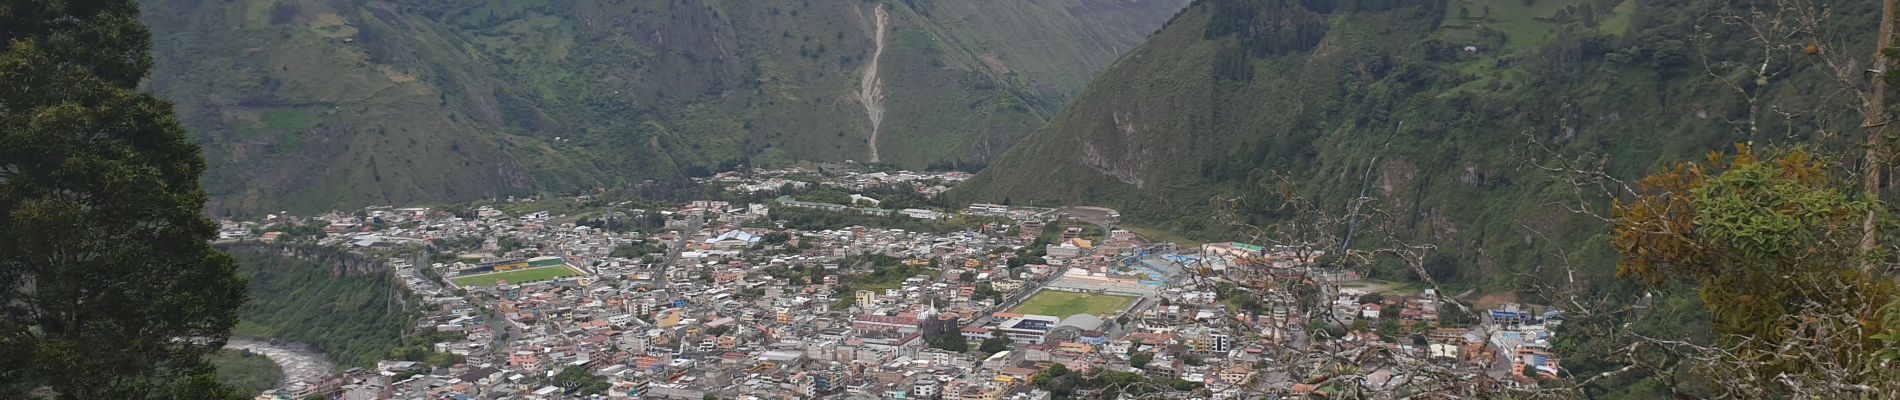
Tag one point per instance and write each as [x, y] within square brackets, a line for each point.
[1430, 107]
[333, 104]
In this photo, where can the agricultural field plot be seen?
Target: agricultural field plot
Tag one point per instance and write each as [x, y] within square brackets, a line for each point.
[517, 276]
[1065, 304]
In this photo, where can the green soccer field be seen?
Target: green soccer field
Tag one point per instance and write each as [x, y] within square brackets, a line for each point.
[1065, 304]
[517, 276]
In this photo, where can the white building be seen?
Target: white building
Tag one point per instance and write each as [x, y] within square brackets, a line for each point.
[921, 213]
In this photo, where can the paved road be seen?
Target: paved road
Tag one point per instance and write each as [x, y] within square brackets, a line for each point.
[300, 363]
[679, 245]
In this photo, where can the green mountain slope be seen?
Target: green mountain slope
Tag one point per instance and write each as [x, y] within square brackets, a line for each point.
[334, 103]
[357, 318]
[1428, 106]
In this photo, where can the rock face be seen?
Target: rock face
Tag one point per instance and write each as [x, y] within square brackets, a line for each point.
[1115, 153]
[309, 106]
[344, 262]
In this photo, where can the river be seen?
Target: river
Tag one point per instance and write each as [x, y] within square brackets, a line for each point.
[299, 362]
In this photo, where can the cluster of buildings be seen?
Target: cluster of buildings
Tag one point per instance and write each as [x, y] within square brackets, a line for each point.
[721, 303]
[1507, 346]
[848, 177]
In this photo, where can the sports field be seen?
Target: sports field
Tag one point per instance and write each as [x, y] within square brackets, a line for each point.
[517, 276]
[1064, 304]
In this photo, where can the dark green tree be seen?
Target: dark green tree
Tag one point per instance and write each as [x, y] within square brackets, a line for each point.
[777, 238]
[578, 381]
[954, 341]
[1057, 379]
[109, 288]
[1058, 370]
[1191, 359]
[1771, 242]
[1372, 298]
[993, 345]
[1140, 360]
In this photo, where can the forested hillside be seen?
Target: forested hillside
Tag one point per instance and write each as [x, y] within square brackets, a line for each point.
[356, 318]
[1441, 110]
[332, 104]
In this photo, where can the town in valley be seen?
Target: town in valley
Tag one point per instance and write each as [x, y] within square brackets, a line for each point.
[820, 283]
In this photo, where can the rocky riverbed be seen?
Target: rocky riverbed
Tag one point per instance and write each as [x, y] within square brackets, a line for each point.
[299, 362]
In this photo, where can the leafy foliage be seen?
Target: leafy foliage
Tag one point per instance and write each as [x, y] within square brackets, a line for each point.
[994, 344]
[579, 382]
[1751, 216]
[953, 341]
[638, 250]
[1140, 360]
[827, 196]
[1765, 239]
[104, 259]
[1268, 27]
